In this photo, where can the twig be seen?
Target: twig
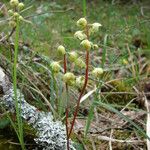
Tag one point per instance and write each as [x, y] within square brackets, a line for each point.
[105, 138]
[110, 141]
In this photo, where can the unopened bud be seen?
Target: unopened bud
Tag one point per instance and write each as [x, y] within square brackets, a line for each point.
[97, 72]
[55, 67]
[14, 3]
[10, 12]
[20, 6]
[73, 56]
[125, 62]
[69, 78]
[80, 63]
[82, 22]
[61, 50]
[80, 82]
[16, 15]
[21, 18]
[86, 44]
[12, 24]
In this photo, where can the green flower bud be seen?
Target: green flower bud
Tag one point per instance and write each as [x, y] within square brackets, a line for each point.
[97, 72]
[21, 18]
[15, 15]
[125, 62]
[80, 35]
[12, 24]
[86, 44]
[55, 67]
[80, 82]
[20, 6]
[73, 56]
[14, 3]
[80, 63]
[95, 27]
[82, 22]
[69, 78]
[10, 12]
[61, 50]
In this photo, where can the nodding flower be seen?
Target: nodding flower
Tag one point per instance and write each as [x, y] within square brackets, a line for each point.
[95, 27]
[80, 35]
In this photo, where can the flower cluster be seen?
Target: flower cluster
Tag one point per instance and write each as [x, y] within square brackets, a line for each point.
[14, 12]
[73, 57]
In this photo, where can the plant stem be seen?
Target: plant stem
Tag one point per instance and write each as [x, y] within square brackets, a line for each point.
[19, 119]
[84, 86]
[81, 94]
[65, 64]
[67, 111]
[84, 8]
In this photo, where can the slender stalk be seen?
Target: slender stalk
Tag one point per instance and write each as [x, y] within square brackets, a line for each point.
[84, 7]
[67, 111]
[84, 86]
[65, 64]
[81, 94]
[19, 120]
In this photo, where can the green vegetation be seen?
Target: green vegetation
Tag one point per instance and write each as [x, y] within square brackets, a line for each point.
[120, 58]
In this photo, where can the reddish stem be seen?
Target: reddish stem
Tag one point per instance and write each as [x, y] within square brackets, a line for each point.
[81, 94]
[67, 128]
[84, 87]
[65, 64]
[65, 70]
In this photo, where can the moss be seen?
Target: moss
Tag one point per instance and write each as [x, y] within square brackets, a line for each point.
[113, 95]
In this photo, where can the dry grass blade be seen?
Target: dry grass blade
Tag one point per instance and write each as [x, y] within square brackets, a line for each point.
[147, 103]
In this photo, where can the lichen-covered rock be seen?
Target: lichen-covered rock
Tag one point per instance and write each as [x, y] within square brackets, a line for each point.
[50, 135]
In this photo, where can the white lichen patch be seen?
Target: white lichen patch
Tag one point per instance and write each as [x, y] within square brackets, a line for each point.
[50, 135]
